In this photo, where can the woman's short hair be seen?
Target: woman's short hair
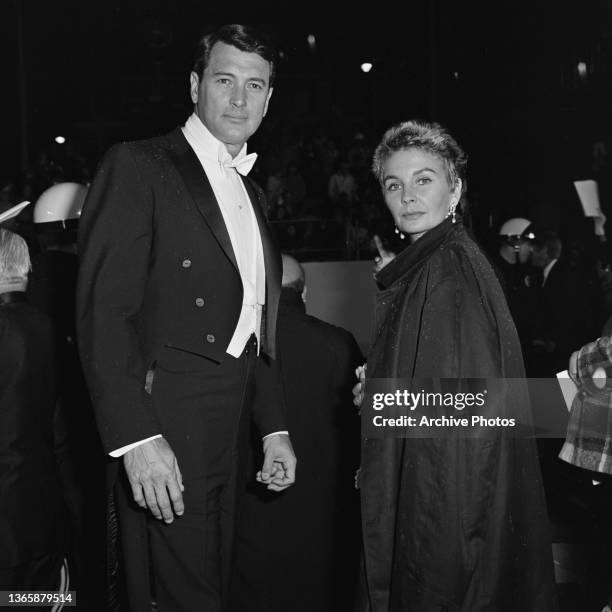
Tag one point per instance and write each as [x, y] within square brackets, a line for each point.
[14, 258]
[431, 137]
[244, 38]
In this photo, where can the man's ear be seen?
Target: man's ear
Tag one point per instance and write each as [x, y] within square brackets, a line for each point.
[194, 87]
[265, 110]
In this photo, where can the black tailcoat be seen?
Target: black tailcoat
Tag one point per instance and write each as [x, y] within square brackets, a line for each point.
[152, 241]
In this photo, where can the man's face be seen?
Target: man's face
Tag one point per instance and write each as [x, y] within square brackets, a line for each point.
[232, 97]
[539, 256]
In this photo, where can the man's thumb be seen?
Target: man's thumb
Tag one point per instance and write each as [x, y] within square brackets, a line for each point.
[268, 467]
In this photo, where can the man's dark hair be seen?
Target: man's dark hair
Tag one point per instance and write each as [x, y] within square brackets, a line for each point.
[244, 38]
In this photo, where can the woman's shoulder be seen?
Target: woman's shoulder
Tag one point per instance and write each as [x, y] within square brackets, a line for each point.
[461, 260]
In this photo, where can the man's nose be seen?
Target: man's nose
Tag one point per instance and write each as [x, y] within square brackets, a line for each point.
[238, 98]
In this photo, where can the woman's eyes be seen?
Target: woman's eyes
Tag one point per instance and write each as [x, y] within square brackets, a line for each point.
[422, 180]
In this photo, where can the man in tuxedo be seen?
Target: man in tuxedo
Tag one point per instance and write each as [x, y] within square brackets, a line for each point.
[179, 284]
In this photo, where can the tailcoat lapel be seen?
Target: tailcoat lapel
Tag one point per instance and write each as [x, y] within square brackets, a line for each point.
[273, 266]
[198, 185]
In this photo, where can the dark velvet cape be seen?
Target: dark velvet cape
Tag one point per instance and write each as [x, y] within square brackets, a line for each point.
[451, 522]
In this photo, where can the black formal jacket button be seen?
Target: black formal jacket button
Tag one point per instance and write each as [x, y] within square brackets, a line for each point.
[210, 338]
[199, 302]
[186, 263]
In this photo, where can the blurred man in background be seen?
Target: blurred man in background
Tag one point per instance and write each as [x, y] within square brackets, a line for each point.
[565, 316]
[310, 534]
[52, 289]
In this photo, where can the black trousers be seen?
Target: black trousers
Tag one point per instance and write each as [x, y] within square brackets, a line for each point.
[204, 409]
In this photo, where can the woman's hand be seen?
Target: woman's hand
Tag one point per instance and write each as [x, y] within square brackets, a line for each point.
[359, 387]
[384, 257]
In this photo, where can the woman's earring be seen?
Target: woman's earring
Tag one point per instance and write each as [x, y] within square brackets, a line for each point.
[451, 211]
[400, 233]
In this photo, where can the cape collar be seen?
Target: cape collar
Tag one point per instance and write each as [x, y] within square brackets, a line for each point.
[416, 252]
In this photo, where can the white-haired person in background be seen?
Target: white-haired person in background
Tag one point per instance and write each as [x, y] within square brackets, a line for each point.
[31, 507]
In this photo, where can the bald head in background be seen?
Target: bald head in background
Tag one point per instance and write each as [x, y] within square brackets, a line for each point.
[293, 275]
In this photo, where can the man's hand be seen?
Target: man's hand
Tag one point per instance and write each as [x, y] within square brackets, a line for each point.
[155, 478]
[359, 387]
[384, 257]
[278, 471]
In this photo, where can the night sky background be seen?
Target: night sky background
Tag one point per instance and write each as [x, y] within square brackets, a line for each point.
[503, 78]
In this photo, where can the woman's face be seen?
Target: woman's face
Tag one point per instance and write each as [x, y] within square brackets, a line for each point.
[417, 191]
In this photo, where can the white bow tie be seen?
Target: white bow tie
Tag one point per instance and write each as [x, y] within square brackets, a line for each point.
[242, 163]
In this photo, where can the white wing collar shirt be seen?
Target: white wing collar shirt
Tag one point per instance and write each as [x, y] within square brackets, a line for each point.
[223, 173]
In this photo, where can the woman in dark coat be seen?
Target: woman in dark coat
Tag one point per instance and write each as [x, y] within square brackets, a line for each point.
[449, 522]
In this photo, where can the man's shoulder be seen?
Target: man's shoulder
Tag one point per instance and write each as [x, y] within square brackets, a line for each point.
[329, 334]
[155, 149]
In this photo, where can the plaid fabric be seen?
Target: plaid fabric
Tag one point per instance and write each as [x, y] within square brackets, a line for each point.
[588, 442]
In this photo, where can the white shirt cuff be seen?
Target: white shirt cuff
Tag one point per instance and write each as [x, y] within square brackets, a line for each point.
[124, 449]
[274, 433]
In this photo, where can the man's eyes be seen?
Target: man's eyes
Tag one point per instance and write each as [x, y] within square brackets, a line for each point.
[253, 86]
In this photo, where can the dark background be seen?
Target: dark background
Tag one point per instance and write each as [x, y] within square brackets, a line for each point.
[503, 78]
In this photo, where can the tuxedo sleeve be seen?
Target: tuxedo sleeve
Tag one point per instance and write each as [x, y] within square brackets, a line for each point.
[269, 404]
[115, 241]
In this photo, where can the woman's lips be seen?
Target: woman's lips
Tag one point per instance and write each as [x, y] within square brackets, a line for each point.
[412, 216]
